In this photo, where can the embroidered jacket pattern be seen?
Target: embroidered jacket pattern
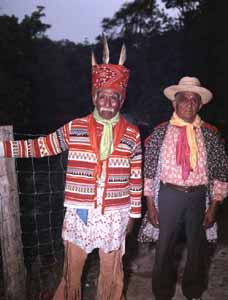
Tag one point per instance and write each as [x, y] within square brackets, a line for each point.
[123, 184]
[217, 168]
[216, 159]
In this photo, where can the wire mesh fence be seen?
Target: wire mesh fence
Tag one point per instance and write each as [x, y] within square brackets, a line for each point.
[41, 194]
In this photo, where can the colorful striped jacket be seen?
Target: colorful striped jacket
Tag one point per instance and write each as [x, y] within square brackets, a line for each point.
[123, 185]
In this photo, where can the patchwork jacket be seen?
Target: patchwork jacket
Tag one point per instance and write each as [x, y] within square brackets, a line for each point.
[217, 168]
[216, 158]
[123, 184]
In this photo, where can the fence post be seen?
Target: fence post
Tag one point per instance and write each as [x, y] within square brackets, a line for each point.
[14, 272]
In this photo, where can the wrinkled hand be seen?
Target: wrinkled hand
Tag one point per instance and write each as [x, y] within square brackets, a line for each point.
[153, 217]
[210, 216]
[152, 213]
[130, 225]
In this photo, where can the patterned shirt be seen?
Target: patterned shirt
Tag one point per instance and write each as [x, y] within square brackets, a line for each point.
[212, 170]
[172, 173]
[106, 230]
[103, 230]
[123, 184]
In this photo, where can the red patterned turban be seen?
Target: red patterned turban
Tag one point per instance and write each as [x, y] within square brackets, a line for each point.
[109, 76]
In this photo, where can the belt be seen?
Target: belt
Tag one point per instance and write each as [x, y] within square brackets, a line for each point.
[182, 188]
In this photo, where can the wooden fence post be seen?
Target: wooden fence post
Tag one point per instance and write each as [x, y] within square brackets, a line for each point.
[14, 272]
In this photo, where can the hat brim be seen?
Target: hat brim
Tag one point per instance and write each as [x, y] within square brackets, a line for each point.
[204, 93]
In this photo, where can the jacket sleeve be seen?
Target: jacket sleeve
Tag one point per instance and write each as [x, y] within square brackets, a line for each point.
[219, 162]
[217, 159]
[219, 190]
[51, 144]
[150, 164]
[136, 179]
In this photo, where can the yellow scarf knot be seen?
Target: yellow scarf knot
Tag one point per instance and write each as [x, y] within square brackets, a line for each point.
[191, 137]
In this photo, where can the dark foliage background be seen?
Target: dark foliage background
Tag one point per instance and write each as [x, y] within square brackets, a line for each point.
[44, 84]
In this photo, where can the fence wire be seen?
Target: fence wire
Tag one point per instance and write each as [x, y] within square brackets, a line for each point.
[41, 194]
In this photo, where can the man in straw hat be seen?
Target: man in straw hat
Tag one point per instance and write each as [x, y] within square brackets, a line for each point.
[103, 181]
[186, 178]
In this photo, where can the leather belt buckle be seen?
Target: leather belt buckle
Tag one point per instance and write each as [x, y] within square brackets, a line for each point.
[186, 189]
[189, 189]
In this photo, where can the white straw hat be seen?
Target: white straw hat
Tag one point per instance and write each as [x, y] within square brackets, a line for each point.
[188, 84]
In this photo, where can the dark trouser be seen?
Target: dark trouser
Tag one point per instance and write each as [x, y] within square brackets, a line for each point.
[178, 211]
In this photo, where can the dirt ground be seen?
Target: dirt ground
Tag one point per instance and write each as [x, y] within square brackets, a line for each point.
[138, 276]
[139, 263]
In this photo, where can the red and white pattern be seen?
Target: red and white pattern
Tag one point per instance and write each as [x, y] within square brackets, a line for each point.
[123, 185]
[109, 76]
[172, 173]
[106, 231]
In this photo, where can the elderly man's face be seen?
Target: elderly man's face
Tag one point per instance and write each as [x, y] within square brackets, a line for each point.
[107, 102]
[187, 105]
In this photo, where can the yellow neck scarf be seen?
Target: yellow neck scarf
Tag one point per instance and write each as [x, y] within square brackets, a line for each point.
[106, 145]
[191, 138]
